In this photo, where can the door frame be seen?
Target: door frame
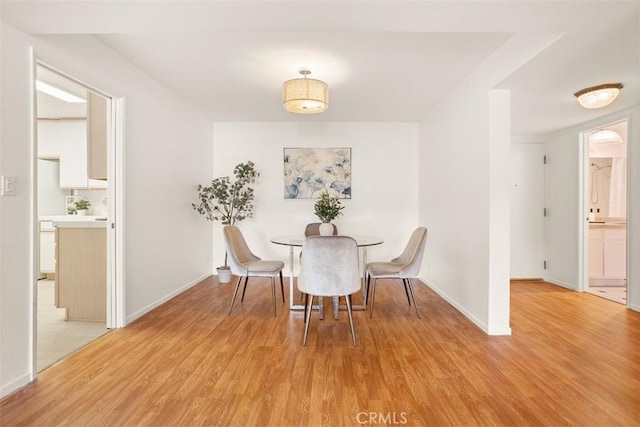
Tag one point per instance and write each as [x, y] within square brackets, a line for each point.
[583, 202]
[116, 317]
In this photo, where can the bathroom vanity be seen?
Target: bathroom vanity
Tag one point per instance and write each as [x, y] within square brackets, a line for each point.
[607, 254]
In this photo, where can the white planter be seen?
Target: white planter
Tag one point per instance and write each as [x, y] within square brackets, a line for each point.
[224, 274]
[326, 229]
[82, 212]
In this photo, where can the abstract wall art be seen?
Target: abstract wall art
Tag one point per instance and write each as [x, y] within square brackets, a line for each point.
[310, 171]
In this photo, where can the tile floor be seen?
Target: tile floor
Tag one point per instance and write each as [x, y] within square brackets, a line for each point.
[614, 293]
[57, 338]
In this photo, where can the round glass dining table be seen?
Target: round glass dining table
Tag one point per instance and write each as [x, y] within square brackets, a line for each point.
[296, 240]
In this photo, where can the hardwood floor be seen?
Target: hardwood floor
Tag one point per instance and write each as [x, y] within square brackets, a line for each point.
[573, 359]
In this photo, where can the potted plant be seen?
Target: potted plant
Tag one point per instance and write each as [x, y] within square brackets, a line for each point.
[327, 208]
[81, 207]
[228, 201]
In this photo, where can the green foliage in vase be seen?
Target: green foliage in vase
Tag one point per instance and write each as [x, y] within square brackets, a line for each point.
[328, 208]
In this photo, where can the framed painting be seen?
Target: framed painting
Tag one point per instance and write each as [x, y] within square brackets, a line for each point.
[310, 171]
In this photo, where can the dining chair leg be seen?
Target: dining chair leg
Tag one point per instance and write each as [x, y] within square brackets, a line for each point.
[406, 291]
[413, 294]
[246, 279]
[306, 301]
[235, 293]
[307, 317]
[353, 332]
[365, 288]
[373, 296]
[281, 287]
[273, 294]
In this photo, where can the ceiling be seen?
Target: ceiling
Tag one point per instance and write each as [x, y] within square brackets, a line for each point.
[383, 61]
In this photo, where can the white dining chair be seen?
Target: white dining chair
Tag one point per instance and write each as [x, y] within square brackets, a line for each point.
[405, 267]
[244, 263]
[329, 268]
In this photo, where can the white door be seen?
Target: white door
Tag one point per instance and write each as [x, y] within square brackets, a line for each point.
[527, 211]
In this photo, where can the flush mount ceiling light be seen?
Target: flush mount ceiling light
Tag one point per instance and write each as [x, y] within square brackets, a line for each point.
[598, 96]
[605, 136]
[58, 93]
[304, 95]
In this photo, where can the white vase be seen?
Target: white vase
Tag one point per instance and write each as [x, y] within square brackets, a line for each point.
[224, 274]
[326, 229]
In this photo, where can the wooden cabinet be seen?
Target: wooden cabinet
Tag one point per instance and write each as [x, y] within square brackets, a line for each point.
[81, 272]
[96, 136]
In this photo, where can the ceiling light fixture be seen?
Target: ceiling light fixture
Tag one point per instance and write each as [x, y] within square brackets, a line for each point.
[58, 93]
[605, 136]
[304, 95]
[598, 96]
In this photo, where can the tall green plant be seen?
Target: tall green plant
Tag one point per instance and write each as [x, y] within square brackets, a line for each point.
[226, 200]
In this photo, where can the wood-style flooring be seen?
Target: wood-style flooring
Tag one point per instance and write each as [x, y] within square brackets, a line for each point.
[573, 359]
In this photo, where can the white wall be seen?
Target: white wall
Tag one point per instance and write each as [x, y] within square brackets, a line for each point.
[562, 191]
[167, 150]
[384, 181]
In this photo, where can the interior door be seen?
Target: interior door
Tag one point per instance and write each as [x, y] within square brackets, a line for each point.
[527, 211]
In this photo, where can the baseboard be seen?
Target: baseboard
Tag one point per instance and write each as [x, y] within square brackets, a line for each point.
[164, 299]
[15, 385]
[526, 279]
[561, 284]
[467, 314]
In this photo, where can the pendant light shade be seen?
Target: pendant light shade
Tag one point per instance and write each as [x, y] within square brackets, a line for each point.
[598, 96]
[605, 136]
[304, 95]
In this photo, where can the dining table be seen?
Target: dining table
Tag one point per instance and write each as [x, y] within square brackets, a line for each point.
[297, 240]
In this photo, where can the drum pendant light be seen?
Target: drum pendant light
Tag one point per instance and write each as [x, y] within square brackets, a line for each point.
[305, 95]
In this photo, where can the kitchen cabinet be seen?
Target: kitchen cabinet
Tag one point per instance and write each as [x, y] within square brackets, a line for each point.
[47, 248]
[73, 155]
[96, 136]
[81, 271]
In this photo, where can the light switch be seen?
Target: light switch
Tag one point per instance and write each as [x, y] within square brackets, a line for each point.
[8, 186]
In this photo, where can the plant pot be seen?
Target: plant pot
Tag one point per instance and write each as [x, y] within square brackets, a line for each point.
[224, 274]
[326, 229]
[81, 212]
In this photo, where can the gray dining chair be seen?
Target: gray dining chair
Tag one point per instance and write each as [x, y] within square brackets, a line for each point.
[244, 263]
[329, 268]
[405, 267]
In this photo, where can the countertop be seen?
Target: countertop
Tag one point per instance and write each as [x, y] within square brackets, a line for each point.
[79, 221]
[604, 224]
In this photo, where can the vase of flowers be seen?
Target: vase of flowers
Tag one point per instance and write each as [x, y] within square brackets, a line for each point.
[327, 208]
[228, 201]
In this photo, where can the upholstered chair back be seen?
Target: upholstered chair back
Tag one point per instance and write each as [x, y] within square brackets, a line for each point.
[238, 252]
[329, 266]
[411, 257]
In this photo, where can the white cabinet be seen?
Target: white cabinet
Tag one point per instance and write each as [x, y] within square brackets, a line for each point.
[615, 253]
[607, 252]
[67, 140]
[596, 252]
[73, 155]
[47, 248]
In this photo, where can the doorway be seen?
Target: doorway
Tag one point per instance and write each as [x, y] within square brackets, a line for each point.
[605, 206]
[77, 294]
